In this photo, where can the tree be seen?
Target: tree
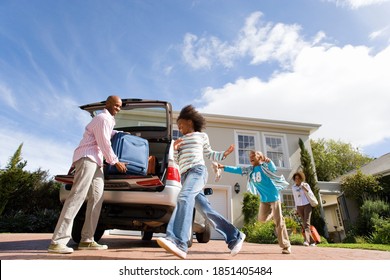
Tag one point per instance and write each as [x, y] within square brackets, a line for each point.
[360, 186]
[28, 201]
[308, 170]
[11, 178]
[334, 158]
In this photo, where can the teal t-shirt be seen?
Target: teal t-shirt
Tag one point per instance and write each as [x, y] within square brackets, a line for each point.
[265, 186]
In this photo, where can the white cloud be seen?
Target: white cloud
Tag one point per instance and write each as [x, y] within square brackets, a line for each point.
[384, 32]
[356, 4]
[51, 152]
[344, 89]
[39, 152]
[261, 41]
[264, 42]
[7, 97]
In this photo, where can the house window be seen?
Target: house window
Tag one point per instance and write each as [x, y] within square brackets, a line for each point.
[245, 143]
[338, 216]
[275, 150]
[288, 200]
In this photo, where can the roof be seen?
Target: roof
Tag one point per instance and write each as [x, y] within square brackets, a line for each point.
[238, 121]
[379, 166]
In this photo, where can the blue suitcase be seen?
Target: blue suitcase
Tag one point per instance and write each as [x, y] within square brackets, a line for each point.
[132, 150]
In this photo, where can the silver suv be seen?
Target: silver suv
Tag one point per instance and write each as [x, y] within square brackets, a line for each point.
[141, 203]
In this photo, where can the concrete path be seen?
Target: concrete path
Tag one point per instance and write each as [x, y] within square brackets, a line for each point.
[124, 247]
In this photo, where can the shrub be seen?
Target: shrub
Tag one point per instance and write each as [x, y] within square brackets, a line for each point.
[296, 239]
[250, 207]
[370, 211]
[381, 234]
[291, 224]
[38, 221]
[324, 240]
[260, 232]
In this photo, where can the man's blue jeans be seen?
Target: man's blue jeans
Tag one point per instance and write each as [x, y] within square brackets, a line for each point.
[180, 225]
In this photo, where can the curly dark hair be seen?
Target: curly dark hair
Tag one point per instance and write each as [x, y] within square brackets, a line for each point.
[189, 113]
[300, 174]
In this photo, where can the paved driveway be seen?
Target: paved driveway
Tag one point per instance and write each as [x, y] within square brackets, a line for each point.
[124, 247]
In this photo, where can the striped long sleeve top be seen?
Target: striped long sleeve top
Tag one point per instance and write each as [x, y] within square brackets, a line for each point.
[194, 147]
[96, 141]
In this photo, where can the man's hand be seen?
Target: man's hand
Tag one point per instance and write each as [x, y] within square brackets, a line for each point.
[121, 167]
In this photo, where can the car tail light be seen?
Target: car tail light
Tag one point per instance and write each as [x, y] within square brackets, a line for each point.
[173, 172]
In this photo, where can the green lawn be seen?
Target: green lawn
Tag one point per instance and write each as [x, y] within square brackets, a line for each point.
[379, 247]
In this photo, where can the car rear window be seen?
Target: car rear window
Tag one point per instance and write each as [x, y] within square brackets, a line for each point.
[141, 118]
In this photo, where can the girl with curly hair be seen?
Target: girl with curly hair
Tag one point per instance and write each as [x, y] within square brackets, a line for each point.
[189, 154]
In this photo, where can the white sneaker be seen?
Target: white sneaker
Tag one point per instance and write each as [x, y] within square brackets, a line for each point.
[91, 246]
[59, 249]
[217, 171]
[171, 247]
[313, 245]
[305, 244]
[287, 250]
[236, 249]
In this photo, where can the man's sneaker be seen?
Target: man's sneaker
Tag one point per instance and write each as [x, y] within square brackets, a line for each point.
[171, 247]
[59, 249]
[91, 246]
[305, 244]
[217, 171]
[287, 250]
[237, 248]
[313, 244]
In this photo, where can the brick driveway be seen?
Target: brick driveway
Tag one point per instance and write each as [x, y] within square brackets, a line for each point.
[123, 247]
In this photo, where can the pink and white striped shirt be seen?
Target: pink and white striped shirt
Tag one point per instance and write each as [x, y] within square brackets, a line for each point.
[96, 141]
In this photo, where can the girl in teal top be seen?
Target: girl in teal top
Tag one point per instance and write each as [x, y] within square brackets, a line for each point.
[262, 179]
[259, 181]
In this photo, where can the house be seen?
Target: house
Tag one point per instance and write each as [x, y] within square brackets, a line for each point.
[276, 139]
[349, 208]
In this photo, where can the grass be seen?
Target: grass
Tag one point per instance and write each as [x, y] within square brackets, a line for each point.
[366, 246]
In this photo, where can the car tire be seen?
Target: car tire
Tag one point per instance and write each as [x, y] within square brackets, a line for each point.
[78, 226]
[147, 235]
[204, 237]
[189, 243]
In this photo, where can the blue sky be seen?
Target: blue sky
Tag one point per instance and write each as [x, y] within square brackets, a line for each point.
[317, 61]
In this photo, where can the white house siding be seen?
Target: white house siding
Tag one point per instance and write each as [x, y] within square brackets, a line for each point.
[222, 131]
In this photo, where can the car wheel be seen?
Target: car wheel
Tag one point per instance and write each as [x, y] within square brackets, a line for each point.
[78, 226]
[189, 243]
[147, 235]
[204, 237]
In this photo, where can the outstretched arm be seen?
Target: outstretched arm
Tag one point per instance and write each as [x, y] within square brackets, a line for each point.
[228, 151]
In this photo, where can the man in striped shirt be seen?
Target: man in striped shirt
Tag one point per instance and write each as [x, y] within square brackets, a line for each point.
[88, 180]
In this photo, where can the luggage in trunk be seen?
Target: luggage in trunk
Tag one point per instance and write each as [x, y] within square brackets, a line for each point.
[132, 150]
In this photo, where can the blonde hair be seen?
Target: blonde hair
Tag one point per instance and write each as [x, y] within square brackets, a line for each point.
[258, 153]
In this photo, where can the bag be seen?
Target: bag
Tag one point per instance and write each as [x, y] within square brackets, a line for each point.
[310, 196]
[313, 234]
[132, 150]
[152, 165]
